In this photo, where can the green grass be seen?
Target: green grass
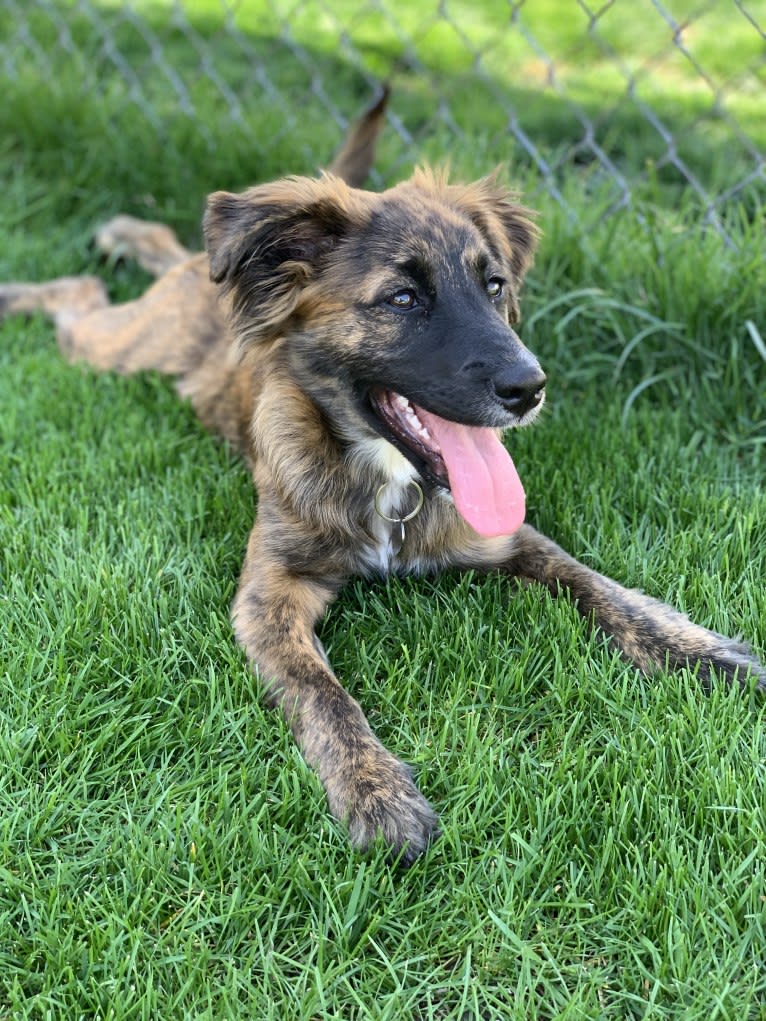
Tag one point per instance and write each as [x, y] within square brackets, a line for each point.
[164, 851]
[66, 90]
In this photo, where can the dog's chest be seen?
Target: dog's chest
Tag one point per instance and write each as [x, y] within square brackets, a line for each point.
[380, 556]
[390, 502]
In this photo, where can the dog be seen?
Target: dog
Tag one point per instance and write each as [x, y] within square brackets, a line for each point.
[359, 350]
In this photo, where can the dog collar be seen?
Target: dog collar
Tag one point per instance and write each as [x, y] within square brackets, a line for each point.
[397, 537]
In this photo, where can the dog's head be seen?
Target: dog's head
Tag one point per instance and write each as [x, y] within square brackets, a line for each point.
[396, 311]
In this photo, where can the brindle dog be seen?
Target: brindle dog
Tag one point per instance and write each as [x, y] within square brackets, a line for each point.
[359, 350]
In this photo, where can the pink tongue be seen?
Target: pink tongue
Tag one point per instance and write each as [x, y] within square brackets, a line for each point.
[485, 485]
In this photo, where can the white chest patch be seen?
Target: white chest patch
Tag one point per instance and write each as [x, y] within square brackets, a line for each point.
[398, 497]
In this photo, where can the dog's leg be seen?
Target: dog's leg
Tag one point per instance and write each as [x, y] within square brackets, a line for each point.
[67, 299]
[650, 633]
[154, 246]
[70, 302]
[170, 328]
[274, 614]
[64, 297]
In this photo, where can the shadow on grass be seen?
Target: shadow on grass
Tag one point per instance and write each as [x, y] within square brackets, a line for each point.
[161, 112]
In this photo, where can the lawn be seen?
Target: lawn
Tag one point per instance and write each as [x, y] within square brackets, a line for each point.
[164, 851]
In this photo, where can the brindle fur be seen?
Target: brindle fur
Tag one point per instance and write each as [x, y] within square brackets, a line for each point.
[269, 335]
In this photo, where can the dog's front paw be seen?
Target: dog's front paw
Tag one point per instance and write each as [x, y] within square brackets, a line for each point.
[381, 801]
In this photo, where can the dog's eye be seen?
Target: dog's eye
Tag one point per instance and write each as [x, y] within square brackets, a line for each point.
[495, 287]
[403, 300]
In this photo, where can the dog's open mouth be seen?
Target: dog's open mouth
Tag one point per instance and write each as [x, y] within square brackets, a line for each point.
[470, 461]
[402, 419]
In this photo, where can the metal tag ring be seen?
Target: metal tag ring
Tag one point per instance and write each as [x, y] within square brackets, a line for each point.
[407, 517]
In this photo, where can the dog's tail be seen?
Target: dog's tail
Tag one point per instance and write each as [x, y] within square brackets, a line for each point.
[355, 158]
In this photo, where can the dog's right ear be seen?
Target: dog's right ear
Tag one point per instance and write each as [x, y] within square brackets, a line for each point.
[268, 243]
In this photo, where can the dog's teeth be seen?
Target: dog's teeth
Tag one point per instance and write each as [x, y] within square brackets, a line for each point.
[421, 430]
[409, 416]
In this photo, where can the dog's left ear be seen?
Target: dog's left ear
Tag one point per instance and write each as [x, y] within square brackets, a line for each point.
[268, 243]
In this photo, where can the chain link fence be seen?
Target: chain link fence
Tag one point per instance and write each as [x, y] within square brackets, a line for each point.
[625, 92]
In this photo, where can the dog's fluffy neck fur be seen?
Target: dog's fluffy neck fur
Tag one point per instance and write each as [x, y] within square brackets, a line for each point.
[383, 458]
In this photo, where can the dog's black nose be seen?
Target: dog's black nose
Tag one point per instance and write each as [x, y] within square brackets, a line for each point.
[520, 388]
